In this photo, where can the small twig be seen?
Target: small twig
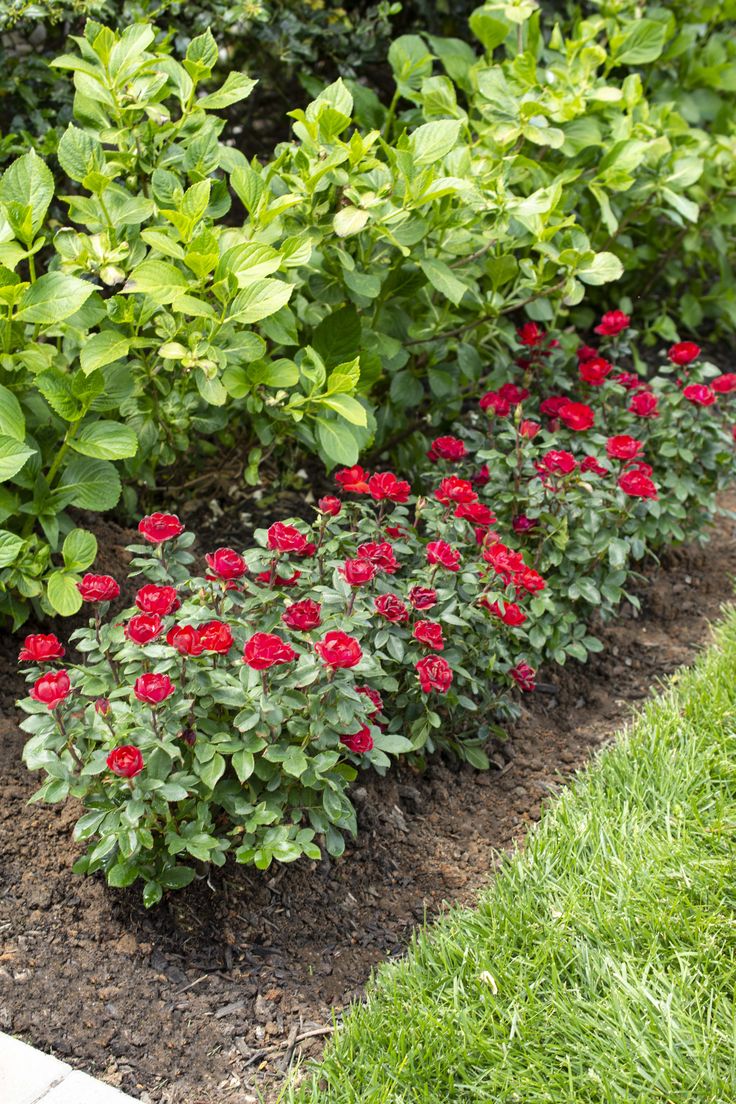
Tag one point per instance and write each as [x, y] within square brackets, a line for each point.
[289, 1051]
[191, 985]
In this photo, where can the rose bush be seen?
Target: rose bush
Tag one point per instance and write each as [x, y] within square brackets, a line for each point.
[228, 713]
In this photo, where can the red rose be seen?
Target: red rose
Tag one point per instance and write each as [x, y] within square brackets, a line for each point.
[41, 648]
[186, 640]
[612, 323]
[724, 384]
[429, 633]
[590, 464]
[576, 416]
[353, 480]
[303, 616]
[392, 608]
[476, 513]
[359, 742]
[684, 352]
[585, 352]
[51, 689]
[385, 485]
[125, 761]
[511, 614]
[454, 489]
[152, 689]
[381, 555]
[103, 707]
[530, 335]
[447, 448]
[226, 564]
[482, 476]
[422, 598]
[529, 580]
[330, 505]
[522, 524]
[627, 380]
[374, 697]
[275, 580]
[699, 395]
[523, 676]
[493, 400]
[157, 528]
[216, 636]
[637, 484]
[551, 406]
[144, 627]
[595, 371]
[98, 588]
[265, 650]
[337, 649]
[623, 447]
[558, 460]
[513, 394]
[434, 673]
[157, 599]
[440, 552]
[285, 538]
[358, 572]
[644, 405]
[529, 429]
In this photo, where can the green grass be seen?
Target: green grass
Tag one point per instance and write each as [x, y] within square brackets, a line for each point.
[600, 965]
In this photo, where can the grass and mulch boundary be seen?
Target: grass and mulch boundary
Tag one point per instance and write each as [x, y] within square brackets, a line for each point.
[600, 965]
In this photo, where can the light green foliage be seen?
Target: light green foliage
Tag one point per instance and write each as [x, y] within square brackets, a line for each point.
[599, 967]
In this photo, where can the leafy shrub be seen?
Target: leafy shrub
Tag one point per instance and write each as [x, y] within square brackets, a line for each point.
[229, 713]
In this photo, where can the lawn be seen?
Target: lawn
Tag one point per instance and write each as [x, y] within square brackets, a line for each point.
[599, 966]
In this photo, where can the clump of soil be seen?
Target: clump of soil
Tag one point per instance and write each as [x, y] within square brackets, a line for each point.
[206, 998]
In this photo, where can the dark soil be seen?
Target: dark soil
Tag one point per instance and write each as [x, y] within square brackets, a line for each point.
[198, 1001]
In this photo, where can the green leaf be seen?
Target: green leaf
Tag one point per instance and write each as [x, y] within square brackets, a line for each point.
[295, 762]
[90, 484]
[337, 337]
[337, 442]
[158, 279]
[105, 441]
[54, 297]
[443, 279]
[249, 262]
[243, 764]
[80, 154]
[10, 546]
[601, 270]
[236, 87]
[79, 549]
[63, 594]
[259, 300]
[348, 408]
[101, 349]
[432, 141]
[13, 455]
[12, 422]
[212, 771]
[56, 388]
[152, 893]
[349, 220]
[489, 29]
[640, 43]
[27, 188]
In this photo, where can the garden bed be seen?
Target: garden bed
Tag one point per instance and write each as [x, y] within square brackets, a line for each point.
[203, 998]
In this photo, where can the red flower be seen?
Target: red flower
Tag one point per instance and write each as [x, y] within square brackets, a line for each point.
[724, 384]
[590, 464]
[353, 480]
[522, 524]
[627, 380]
[429, 633]
[699, 394]
[103, 707]
[265, 650]
[623, 447]
[595, 371]
[523, 676]
[513, 394]
[337, 649]
[51, 689]
[493, 400]
[422, 598]
[275, 580]
[684, 352]
[381, 555]
[330, 505]
[576, 416]
[530, 335]
[385, 485]
[303, 616]
[529, 580]
[644, 405]
[558, 460]
[157, 528]
[551, 406]
[216, 637]
[612, 323]
[392, 608]
[374, 697]
[144, 627]
[226, 564]
[358, 742]
[585, 352]
[285, 538]
[511, 614]
[454, 489]
[476, 513]
[41, 648]
[152, 689]
[98, 588]
[125, 761]
[482, 476]
[434, 673]
[157, 599]
[447, 448]
[529, 429]
[637, 484]
[440, 552]
[186, 640]
[358, 572]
